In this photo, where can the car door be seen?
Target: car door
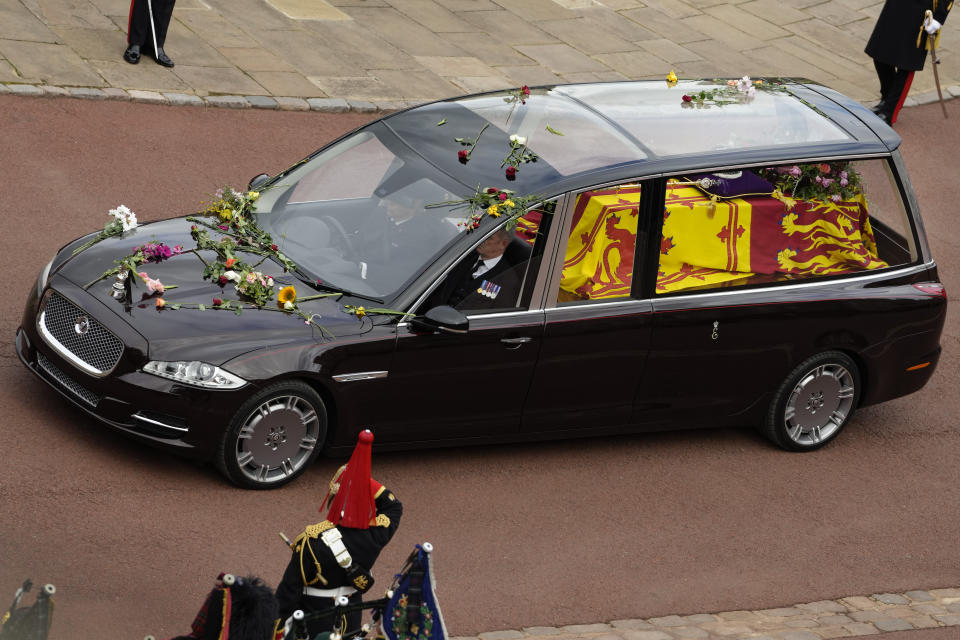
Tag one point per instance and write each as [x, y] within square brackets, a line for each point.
[448, 386]
[596, 331]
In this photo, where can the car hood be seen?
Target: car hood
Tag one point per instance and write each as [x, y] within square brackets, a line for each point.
[213, 335]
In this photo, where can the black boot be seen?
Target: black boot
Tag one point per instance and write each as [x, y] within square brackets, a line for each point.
[132, 54]
[163, 58]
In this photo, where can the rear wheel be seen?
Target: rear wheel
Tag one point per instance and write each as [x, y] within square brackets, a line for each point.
[815, 402]
[274, 436]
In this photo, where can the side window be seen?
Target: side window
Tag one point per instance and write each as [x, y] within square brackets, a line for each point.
[598, 262]
[500, 274]
[777, 223]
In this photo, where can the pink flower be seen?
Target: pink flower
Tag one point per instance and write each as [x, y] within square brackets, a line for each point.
[511, 173]
[525, 89]
[161, 303]
[844, 182]
[217, 302]
[154, 286]
[502, 196]
[827, 182]
[825, 168]
[177, 249]
[223, 227]
[819, 180]
[795, 171]
[463, 155]
[835, 197]
[843, 175]
[251, 278]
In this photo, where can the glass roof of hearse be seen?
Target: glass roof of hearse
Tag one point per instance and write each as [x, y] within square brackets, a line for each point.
[610, 128]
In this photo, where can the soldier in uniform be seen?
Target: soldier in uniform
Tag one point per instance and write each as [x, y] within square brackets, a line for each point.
[898, 47]
[334, 557]
[147, 25]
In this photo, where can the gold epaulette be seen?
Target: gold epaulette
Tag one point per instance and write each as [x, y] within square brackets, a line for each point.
[314, 530]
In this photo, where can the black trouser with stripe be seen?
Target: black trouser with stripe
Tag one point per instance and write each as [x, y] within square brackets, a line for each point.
[138, 30]
[894, 86]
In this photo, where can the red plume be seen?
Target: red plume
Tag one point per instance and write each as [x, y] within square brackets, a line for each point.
[354, 505]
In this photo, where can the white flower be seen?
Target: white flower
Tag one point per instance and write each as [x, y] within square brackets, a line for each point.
[269, 281]
[232, 275]
[518, 141]
[126, 217]
[288, 305]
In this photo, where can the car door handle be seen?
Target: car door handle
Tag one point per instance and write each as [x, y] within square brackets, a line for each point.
[516, 342]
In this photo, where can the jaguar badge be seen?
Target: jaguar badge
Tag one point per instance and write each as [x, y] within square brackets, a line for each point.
[82, 325]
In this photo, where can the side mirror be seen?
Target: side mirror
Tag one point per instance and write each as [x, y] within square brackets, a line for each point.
[441, 319]
[257, 181]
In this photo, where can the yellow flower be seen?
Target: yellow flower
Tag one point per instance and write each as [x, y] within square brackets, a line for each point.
[252, 195]
[360, 311]
[287, 294]
[509, 203]
[226, 213]
[493, 211]
[671, 78]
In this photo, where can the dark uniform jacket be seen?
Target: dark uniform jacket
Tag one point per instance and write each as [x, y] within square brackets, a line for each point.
[364, 546]
[894, 38]
[460, 289]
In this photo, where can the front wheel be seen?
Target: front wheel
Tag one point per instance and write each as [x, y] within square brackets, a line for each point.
[814, 403]
[274, 436]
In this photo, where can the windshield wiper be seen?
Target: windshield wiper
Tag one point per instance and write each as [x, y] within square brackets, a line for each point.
[318, 283]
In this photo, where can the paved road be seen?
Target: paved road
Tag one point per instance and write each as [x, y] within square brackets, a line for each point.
[381, 53]
[526, 536]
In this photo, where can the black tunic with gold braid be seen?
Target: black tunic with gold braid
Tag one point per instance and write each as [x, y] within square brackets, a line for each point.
[313, 564]
[899, 39]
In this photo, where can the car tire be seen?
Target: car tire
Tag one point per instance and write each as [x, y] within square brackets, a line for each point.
[274, 436]
[814, 403]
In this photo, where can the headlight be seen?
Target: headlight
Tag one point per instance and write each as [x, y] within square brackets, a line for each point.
[44, 276]
[198, 374]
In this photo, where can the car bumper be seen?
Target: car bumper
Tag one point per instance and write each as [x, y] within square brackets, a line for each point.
[157, 411]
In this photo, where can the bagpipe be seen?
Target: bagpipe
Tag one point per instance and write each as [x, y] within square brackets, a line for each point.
[408, 611]
[29, 622]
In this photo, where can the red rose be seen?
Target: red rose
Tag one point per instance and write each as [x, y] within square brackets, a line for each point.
[686, 98]
[511, 173]
[492, 190]
[217, 302]
[223, 280]
[525, 89]
[193, 227]
[273, 247]
[463, 155]
[503, 196]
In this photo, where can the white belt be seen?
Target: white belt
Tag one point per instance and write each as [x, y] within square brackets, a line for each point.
[329, 593]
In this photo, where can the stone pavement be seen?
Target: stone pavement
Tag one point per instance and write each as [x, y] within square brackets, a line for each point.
[841, 618]
[369, 55]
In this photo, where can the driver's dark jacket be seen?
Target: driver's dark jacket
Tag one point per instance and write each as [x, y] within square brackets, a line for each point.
[364, 546]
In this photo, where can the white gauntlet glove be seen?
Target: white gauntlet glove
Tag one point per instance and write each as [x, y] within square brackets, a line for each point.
[931, 25]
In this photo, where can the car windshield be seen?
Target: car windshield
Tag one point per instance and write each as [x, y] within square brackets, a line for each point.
[355, 216]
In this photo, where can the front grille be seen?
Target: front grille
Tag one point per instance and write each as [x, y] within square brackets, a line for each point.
[67, 382]
[99, 349]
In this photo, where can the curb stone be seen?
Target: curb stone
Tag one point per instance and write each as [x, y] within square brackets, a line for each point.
[848, 616]
[323, 105]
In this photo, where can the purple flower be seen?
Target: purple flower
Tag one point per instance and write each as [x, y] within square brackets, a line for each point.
[835, 197]
[844, 182]
[795, 171]
[826, 182]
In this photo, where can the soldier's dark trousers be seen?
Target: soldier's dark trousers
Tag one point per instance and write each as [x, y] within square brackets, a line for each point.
[894, 86]
[138, 30]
